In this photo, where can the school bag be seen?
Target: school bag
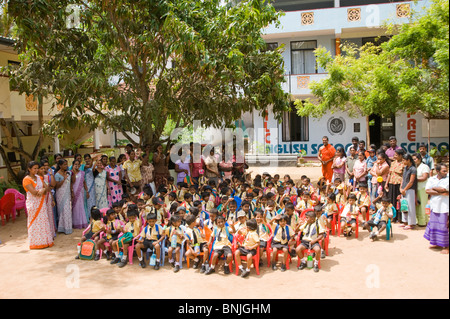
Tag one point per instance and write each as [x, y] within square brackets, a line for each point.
[87, 251]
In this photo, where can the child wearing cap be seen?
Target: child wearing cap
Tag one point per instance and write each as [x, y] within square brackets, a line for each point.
[240, 227]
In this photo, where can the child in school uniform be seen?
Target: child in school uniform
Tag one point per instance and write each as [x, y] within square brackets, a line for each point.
[230, 211]
[263, 232]
[170, 199]
[176, 236]
[113, 228]
[150, 237]
[246, 208]
[222, 239]
[363, 199]
[330, 208]
[196, 243]
[96, 227]
[187, 203]
[130, 230]
[211, 221]
[312, 232]
[240, 227]
[349, 215]
[379, 219]
[283, 236]
[305, 203]
[270, 210]
[248, 248]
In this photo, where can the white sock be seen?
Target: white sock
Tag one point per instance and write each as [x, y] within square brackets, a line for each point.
[116, 253]
[171, 260]
[241, 267]
[196, 259]
[124, 258]
[226, 265]
[247, 269]
[212, 266]
[157, 260]
[97, 252]
[316, 262]
[140, 258]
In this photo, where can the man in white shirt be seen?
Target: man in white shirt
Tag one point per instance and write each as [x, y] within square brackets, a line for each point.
[437, 228]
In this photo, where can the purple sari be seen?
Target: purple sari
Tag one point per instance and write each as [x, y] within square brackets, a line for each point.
[78, 213]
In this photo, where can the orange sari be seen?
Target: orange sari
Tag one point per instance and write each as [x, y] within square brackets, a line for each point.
[327, 153]
[39, 233]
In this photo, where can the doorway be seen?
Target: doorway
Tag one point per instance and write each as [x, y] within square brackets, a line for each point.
[381, 128]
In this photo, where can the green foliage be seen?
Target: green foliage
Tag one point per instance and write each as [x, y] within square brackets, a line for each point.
[408, 73]
[4, 185]
[131, 65]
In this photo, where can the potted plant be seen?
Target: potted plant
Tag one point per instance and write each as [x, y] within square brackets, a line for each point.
[439, 155]
[300, 159]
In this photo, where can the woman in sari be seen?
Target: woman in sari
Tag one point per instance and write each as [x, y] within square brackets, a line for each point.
[90, 201]
[423, 173]
[63, 198]
[49, 183]
[79, 187]
[101, 189]
[147, 170]
[39, 233]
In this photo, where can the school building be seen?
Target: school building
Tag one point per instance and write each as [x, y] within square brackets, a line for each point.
[306, 26]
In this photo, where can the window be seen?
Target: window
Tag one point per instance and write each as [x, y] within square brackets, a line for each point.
[271, 46]
[303, 60]
[294, 127]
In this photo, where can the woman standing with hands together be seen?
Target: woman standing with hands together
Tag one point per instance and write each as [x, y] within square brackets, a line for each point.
[39, 233]
[64, 197]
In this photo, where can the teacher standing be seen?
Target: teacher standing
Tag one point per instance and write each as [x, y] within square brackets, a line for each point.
[40, 235]
[326, 156]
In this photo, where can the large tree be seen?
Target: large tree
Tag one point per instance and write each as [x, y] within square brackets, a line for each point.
[129, 66]
[408, 73]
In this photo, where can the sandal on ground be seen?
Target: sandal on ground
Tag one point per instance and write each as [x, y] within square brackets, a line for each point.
[407, 227]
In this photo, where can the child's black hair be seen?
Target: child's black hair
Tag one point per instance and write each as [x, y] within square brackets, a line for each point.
[213, 211]
[332, 196]
[352, 196]
[173, 195]
[318, 208]
[190, 219]
[193, 211]
[173, 219]
[270, 195]
[173, 207]
[220, 217]
[148, 190]
[205, 194]
[289, 206]
[245, 203]
[132, 212]
[197, 203]
[252, 224]
[116, 204]
[283, 217]
[151, 216]
[259, 211]
[188, 196]
[95, 213]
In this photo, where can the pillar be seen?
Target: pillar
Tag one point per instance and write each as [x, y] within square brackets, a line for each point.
[56, 147]
[96, 140]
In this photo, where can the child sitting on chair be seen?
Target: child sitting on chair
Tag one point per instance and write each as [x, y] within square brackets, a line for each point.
[196, 244]
[222, 245]
[379, 219]
[283, 236]
[349, 215]
[312, 232]
[150, 238]
[248, 248]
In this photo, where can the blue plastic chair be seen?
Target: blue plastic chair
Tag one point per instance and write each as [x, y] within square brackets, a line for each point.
[162, 254]
[389, 232]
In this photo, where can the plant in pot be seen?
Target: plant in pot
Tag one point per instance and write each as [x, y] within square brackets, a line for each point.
[439, 155]
[300, 159]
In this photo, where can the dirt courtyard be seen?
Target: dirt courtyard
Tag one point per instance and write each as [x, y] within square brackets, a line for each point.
[403, 267]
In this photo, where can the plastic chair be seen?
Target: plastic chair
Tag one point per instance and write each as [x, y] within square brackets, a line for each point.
[255, 258]
[308, 251]
[208, 233]
[103, 211]
[269, 251]
[339, 225]
[20, 200]
[335, 223]
[7, 203]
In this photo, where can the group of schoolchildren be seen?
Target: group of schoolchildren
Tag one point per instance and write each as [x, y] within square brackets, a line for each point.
[203, 223]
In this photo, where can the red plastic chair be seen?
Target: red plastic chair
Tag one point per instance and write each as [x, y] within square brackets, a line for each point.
[208, 233]
[103, 211]
[269, 251]
[307, 251]
[20, 201]
[255, 258]
[7, 204]
[339, 225]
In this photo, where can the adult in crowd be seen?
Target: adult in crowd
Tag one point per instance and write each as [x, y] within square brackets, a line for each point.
[380, 171]
[212, 167]
[423, 173]
[326, 156]
[79, 189]
[355, 145]
[63, 197]
[390, 152]
[226, 165]
[101, 188]
[362, 148]
[437, 229]
[90, 201]
[360, 169]
[114, 178]
[394, 179]
[183, 165]
[371, 159]
[56, 159]
[408, 191]
[351, 160]
[147, 173]
[239, 164]
[161, 164]
[197, 164]
[426, 158]
[132, 169]
[171, 164]
[49, 183]
[40, 234]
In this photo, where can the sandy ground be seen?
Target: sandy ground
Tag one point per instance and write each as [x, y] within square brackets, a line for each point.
[403, 267]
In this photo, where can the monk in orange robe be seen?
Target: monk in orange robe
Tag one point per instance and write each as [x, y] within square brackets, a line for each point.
[326, 156]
